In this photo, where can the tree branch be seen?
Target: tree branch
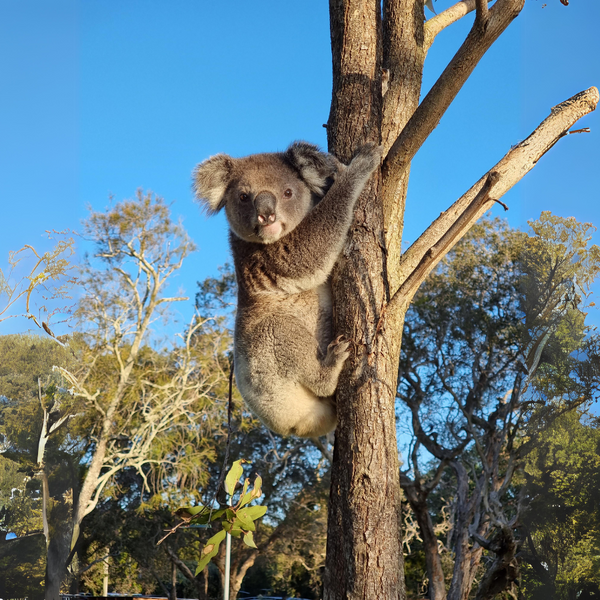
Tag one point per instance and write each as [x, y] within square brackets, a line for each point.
[181, 565]
[482, 13]
[446, 18]
[483, 34]
[422, 257]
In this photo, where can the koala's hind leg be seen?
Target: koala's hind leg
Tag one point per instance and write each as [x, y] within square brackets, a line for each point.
[323, 380]
[303, 360]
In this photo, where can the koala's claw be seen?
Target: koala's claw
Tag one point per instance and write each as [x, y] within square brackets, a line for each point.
[338, 349]
[367, 158]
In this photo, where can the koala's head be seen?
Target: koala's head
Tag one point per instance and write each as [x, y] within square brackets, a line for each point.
[265, 196]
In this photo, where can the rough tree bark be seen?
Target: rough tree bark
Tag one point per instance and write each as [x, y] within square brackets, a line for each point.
[377, 49]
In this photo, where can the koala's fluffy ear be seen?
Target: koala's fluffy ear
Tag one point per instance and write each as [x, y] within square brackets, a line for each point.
[315, 167]
[210, 180]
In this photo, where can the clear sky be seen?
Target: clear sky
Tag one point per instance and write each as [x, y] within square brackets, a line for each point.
[102, 97]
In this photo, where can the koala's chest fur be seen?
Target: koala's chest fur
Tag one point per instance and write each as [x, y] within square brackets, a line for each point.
[260, 317]
[269, 303]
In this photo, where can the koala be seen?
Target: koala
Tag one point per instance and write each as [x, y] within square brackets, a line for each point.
[289, 214]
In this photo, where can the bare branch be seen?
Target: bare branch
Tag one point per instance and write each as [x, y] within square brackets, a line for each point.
[182, 566]
[481, 15]
[436, 252]
[446, 18]
[451, 225]
[484, 33]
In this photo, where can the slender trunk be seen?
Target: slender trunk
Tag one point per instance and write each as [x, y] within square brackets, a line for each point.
[45, 500]
[238, 572]
[466, 562]
[75, 580]
[466, 556]
[173, 591]
[160, 582]
[435, 573]
[58, 552]
[504, 570]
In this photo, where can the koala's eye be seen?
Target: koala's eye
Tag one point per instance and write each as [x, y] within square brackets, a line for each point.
[244, 197]
[287, 193]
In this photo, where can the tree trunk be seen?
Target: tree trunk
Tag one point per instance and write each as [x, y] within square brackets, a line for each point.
[467, 556]
[173, 590]
[58, 551]
[437, 585]
[364, 544]
[373, 284]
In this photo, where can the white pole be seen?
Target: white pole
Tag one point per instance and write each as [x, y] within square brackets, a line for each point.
[105, 581]
[227, 561]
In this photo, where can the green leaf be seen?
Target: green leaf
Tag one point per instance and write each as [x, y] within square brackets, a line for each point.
[244, 521]
[256, 492]
[243, 494]
[233, 476]
[245, 499]
[233, 528]
[195, 514]
[215, 540]
[229, 514]
[255, 512]
[210, 550]
[185, 512]
[249, 540]
[218, 513]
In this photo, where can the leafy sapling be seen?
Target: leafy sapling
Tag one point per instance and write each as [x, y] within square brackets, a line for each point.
[238, 518]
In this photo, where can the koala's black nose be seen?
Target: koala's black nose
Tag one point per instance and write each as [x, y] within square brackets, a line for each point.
[265, 204]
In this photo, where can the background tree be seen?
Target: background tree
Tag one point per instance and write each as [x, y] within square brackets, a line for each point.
[561, 526]
[495, 348]
[33, 419]
[130, 397]
[375, 49]
[39, 281]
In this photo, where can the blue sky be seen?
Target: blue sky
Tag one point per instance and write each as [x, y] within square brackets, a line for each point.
[104, 97]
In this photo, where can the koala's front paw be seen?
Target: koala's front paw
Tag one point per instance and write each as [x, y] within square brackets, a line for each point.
[337, 351]
[366, 159]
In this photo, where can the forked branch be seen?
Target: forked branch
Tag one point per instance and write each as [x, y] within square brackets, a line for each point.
[488, 26]
[422, 257]
[446, 18]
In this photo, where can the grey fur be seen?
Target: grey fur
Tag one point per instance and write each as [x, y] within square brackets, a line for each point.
[289, 215]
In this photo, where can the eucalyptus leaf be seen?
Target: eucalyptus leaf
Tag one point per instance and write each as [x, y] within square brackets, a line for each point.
[255, 512]
[244, 520]
[245, 488]
[233, 476]
[185, 512]
[257, 491]
[249, 539]
[210, 550]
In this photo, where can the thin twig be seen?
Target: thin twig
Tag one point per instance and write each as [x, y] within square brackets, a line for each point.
[227, 446]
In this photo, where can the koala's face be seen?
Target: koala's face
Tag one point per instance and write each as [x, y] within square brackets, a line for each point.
[265, 199]
[265, 196]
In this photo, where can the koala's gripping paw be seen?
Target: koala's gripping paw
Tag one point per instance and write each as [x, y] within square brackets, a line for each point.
[366, 159]
[337, 351]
